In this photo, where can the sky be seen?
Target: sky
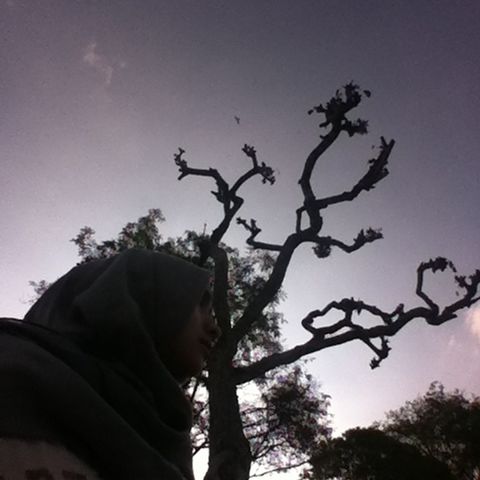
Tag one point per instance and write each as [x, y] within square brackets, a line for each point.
[97, 96]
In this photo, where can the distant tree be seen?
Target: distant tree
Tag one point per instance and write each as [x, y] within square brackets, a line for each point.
[247, 290]
[444, 425]
[436, 436]
[370, 454]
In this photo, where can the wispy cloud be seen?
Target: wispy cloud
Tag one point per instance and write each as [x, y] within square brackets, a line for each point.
[473, 321]
[452, 342]
[104, 67]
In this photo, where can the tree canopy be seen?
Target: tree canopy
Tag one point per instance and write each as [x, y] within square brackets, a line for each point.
[371, 454]
[444, 425]
[436, 436]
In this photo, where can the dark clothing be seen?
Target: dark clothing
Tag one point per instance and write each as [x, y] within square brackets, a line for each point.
[83, 371]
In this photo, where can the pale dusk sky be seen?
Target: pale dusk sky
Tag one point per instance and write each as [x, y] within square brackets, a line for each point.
[96, 97]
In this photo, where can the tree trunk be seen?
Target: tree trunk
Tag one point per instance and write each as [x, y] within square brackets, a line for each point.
[229, 455]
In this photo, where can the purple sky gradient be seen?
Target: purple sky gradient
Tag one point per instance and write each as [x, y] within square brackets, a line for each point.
[96, 97]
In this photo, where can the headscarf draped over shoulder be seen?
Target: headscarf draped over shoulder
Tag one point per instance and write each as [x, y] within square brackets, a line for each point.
[83, 370]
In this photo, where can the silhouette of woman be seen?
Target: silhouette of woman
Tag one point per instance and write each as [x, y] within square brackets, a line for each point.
[90, 381]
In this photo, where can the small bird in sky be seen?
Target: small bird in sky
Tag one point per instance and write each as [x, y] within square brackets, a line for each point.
[237, 119]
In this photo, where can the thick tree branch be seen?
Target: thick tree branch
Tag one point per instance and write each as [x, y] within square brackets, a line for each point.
[270, 288]
[309, 196]
[324, 245]
[227, 196]
[254, 230]
[469, 284]
[439, 263]
[335, 112]
[273, 284]
[345, 330]
[377, 171]
[220, 290]
[221, 194]
[317, 343]
[335, 117]
[263, 170]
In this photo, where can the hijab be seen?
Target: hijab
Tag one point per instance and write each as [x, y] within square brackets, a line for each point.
[83, 368]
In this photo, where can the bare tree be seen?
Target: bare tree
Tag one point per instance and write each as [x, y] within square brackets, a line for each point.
[289, 416]
[230, 454]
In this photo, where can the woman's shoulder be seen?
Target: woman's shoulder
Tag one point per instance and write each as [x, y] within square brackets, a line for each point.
[38, 460]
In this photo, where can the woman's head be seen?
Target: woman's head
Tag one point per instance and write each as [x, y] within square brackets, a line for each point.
[133, 306]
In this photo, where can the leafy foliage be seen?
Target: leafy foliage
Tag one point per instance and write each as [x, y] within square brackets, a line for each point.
[445, 425]
[370, 454]
[436, 436]
[290, 418]
[39, 288]
[141, 234]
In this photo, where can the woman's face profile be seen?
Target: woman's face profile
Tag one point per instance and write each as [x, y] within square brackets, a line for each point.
[189, 349]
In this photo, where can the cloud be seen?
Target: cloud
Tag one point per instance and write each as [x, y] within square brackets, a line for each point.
[473, 321]
[103, 66]
[452, 342]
